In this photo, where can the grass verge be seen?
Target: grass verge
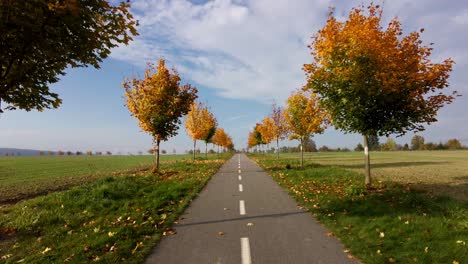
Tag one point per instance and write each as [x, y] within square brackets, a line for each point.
[390, 224]
[114, 219]
[27, 177]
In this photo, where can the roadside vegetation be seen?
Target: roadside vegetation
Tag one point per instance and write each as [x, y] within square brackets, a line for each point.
[390, 223]
[113, 219]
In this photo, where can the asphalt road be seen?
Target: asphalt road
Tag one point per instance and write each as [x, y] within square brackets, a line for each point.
[243, 216]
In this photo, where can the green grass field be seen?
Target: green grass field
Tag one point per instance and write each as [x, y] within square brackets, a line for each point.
[117, 218]
[25, 177]
[439, 172]
[393, 223]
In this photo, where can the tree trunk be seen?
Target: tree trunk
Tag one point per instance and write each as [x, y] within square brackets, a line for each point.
[206, 150]
[367, 163]
[302, 154]
[156, 152]
[277, 149]
[194, 146]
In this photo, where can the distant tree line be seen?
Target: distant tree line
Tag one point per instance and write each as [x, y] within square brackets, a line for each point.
[417, 143]
[76, 153]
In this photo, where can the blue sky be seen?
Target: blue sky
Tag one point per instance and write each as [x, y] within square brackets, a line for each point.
[242, 56]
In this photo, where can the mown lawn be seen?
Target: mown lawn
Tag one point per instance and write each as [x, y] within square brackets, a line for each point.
[26, 177]
[391, 224]
[111, 220]
[439, 172]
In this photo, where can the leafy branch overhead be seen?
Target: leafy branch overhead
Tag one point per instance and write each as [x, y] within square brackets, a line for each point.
[39, 39]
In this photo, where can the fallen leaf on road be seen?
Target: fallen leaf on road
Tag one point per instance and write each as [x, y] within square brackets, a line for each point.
[220, 233]
[346, 250]
[330, 234]
[170, 231]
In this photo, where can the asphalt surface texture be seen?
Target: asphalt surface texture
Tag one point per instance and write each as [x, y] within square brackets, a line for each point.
[243, 216]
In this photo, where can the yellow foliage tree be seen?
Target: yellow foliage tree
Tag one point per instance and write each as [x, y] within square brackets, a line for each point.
[158, 101]
[266, 130]
[252, 141]
[209, 124]
[279, 126]
[200, 124]
[220, 138]
[304, 117]
[193, 122]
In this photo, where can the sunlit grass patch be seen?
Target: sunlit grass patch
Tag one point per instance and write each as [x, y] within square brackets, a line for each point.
[113, 219]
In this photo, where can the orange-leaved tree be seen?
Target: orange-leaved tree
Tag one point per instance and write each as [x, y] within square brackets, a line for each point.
[200, 124]
[251, 141]
[220, 138]
[304, 117]
[373, 80]
[279, 127]
[158, 101]
[266, 130]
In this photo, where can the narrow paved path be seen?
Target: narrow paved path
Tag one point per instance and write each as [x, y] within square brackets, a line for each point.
[243, 216]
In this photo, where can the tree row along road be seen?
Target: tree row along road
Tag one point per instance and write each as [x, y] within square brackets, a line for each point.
[243, 216]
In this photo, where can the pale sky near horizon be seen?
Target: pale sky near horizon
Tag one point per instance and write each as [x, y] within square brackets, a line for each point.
[242, 55]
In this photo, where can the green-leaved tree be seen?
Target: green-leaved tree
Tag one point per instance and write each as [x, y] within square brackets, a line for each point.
[39, 39]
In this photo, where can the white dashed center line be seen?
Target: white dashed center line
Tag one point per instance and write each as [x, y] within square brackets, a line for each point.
[240, 178]
[245, 251]
[242, 207]
[241, 189]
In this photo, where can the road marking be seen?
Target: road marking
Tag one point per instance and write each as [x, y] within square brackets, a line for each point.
[240, 178]
[242, 207]
[245, 251]
[239, 171]
[241, 189]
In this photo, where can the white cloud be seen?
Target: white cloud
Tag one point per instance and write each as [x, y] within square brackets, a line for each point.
[256, 49]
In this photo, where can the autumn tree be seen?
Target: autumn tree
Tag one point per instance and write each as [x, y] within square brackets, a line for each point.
[193, 122]
[304, 117]
[258, 135]
[389, 145]
[39, 39]
[279, 126]
[454, 144]
[208, 127]
[251, 140]
[158, 101]
[200, 124]
[266, 130]
[220, 138]
[417, 142]
[373, 80]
